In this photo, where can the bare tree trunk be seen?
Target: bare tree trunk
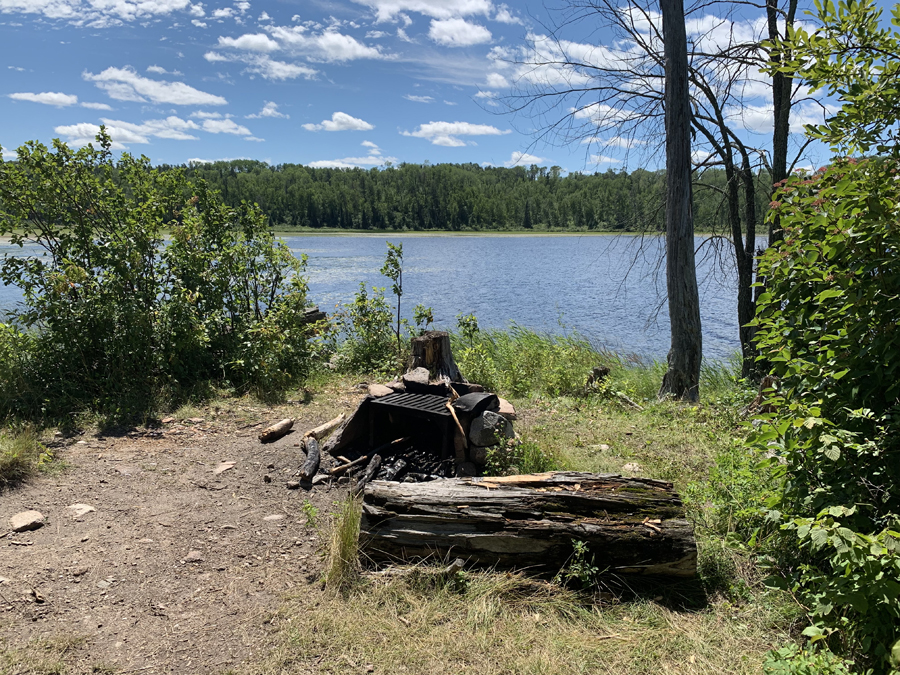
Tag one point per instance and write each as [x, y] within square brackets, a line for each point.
[682, 379]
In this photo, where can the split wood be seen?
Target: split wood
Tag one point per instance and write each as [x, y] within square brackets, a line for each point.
[276, 431]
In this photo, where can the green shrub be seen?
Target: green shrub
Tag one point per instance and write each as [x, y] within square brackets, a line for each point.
[116, 310]
[828, 325]
[21, 454]
[794, 660]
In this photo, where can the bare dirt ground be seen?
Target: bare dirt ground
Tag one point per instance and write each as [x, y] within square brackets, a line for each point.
[179, 569]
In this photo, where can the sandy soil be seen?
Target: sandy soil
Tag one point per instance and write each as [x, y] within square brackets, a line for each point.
[179, 569]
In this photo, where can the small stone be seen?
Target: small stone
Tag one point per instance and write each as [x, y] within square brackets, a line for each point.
[396, 386]
[379, 390]
[632, 467]
[193, 557]
[293, 485]
[103, 584]
[81, 443]
[320, 478]
[223, 467]
[274, 517]
[267, 478]
[270, 466]
[417, 376]
[604, 447]
[26, 520]
[79, 510]
[506, 409]
[79, 571]
[168, 420]
[488, 427]
[195, 420]
[145, 540]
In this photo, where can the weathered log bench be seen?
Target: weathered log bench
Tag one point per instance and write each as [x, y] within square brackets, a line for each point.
[632, 526]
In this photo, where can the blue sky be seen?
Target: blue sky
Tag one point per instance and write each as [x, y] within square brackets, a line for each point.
[343, 83]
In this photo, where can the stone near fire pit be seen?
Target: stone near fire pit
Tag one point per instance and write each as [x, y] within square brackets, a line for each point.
[26, 520]
[488, 427]
[379, 390]
[416, 376]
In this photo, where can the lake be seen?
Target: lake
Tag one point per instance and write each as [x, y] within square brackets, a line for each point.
[609, 288]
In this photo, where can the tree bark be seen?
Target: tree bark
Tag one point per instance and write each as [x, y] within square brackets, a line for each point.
[632, 526]
[682, 379]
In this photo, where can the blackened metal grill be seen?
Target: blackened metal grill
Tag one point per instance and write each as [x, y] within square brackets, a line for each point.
[429, 407]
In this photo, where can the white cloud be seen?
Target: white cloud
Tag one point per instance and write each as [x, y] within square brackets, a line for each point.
[374, 158]
[225, 126]
[458, 33]
[242, 6]
[262, 64]
[418, 99]
[197, 10]
[270, 109]
[388, 10]
[204, 115]
[198, 23]
[264, 17]
[19, 69]
[254, 139]
[340, 122]
[256, 42]
[223, 13]
[56, 98]
[159, 70]
[523, 159]
[96, 106]
[373, 146]
[496, 81]
[604, 159]
[198, 160]
[376, 34]
[124, 84]
[503, 15]
[124, 133]
[451, 102]
[446, 133]
[94, 14]
[486, 94]
[329, 45]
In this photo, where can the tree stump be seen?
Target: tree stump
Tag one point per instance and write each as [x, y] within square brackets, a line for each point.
[632, 526]
[432, 351]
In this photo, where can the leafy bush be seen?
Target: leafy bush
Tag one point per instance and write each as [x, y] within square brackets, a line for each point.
[114, 309]
[366, 336]
[827, 324]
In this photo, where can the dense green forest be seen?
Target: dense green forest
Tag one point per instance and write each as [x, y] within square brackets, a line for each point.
[459, 197]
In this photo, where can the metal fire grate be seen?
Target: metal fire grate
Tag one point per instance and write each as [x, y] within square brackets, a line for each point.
[422, 406]
[427, 405]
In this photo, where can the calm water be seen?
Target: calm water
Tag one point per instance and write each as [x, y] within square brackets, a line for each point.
[609, 288]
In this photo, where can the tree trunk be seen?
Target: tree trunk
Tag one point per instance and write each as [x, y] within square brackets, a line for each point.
[432, 351]
[633, 526]
[682, 379]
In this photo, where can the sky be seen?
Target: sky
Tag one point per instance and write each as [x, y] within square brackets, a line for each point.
[324, 83]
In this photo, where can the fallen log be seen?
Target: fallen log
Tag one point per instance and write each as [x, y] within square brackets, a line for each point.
[632, 526]
[313, 457]
[276, 431]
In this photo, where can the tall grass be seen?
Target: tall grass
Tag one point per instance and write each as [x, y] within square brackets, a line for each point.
[342, 563]
[21, 454]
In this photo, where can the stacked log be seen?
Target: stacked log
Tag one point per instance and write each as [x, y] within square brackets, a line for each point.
[632, 526]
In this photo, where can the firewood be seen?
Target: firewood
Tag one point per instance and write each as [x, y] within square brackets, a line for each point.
[372, 469]
[313, 457]
[323, 430]
[276, 431]
[349, 465]
[392, 471]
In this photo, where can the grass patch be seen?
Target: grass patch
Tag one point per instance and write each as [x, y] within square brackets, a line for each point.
[45, 656]
[21, 455]
[483, 622]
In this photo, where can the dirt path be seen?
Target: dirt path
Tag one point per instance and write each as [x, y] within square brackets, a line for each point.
[179, 569]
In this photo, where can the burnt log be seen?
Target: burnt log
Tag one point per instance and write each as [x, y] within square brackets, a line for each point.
[313, 457]
[371, 470]
[632, 526]
[276, 431]
[432, 351]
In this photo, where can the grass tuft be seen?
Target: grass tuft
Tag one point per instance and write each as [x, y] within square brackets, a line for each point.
[342, 563]
[21, 454]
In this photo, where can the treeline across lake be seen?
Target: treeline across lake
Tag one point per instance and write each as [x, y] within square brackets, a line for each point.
[460, 197]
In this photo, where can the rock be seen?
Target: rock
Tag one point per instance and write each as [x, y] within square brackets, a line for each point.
[466, 469]
[26, 520]
[379, 390]
[488, 427]
[603, 447]
[267, 478]
[274, 517]
[79, 571]
[104, 584]
[79, 510]
[397, 386]
[195, 420]
[476, 403]
[506, 409]
[193, 557]
[81, 443]
[223, 466]
[479, 455]
[168, 420]
[293, 485]
[632, 467]
[320, 478]
[416, 376]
